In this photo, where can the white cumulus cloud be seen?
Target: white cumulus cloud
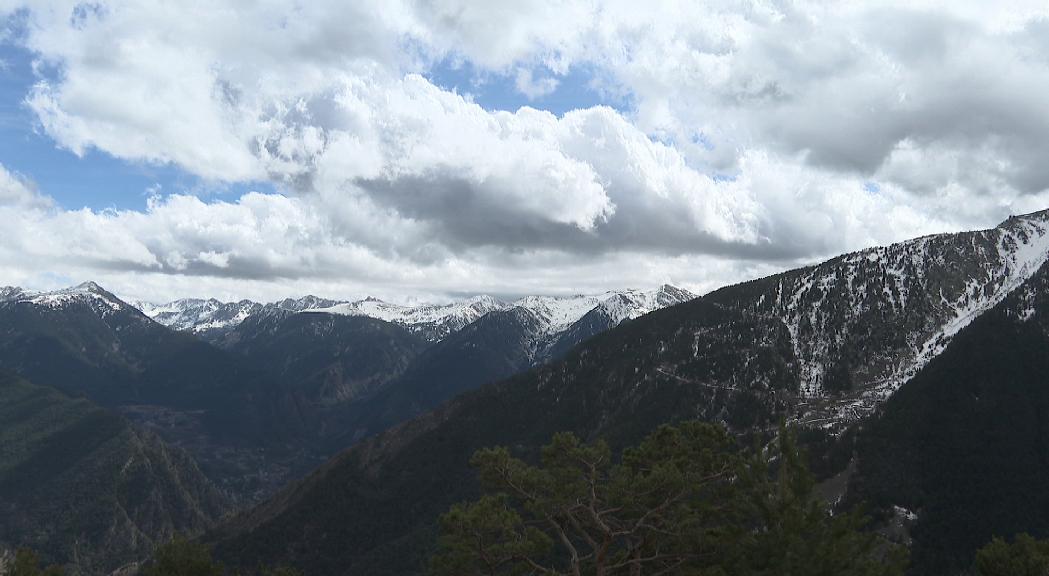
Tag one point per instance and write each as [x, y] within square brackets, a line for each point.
[758, 135]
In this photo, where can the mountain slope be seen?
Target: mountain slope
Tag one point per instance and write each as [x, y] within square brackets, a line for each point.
[822, 345]
[497, 345]
[371, 509]
[80, 485]
[327, 366]
[965, 443]
[87, 343]
[863, 323]
[326, 359]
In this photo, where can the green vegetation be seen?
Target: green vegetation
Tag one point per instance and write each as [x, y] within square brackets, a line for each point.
[684, 501]
[82, 487]
[1025, 556]
[27, 563]
[181, 557]
[178, 557]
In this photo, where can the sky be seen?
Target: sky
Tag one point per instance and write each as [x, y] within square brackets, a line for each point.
[421, 150]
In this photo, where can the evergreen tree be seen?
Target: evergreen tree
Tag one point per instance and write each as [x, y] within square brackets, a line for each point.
[684, 501]
[1025, 556]
[27, 563]
[180, 557]
[796, 536]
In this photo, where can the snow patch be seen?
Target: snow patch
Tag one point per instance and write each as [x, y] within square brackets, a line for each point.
[1022, 249]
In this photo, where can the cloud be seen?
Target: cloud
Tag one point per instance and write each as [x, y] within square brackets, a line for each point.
[19, 193]
[532, 87]
[268, 245]
[752, 132]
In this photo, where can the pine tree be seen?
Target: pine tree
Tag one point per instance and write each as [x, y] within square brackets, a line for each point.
[180, 557]
[796, 536]
[1025, 556]
[27, 563]
[684, 501]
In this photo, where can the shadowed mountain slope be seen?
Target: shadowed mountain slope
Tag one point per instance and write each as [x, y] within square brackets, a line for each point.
[82, 486]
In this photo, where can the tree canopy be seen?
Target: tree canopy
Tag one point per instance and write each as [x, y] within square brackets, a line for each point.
[1024, 556]
[27, 563]
[181, 557]
[686, 500]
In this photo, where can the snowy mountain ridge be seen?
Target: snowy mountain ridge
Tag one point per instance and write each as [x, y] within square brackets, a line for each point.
[864, 323]
[90, 293]
[199, 315]
[432, 321]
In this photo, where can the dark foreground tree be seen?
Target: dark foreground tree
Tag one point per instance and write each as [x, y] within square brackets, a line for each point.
[791, 532]
[27, 563]
[1025, 556]
[684, 501]
[180, 557]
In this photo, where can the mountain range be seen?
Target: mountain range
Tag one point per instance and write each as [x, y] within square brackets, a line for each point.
[213, 319]
[915, 373]
[260, 399]
[826, 347]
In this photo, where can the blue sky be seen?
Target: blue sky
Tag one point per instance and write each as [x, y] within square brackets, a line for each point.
[579, 88]
[99, 181]
[96, 180]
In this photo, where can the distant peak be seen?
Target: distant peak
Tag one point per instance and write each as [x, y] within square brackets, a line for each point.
[10, 292]
[1041, 215]
[483, 299]
[85, 292]
[674, 291]
[88, 286]
[91, 288]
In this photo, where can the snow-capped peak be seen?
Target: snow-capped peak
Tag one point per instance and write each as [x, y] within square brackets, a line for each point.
[10, 293]
[199, 315]
[560, 312]
[309, 302]
[557, 313]
[668, 295]
[432, 321]
[630, 304]
[88, 286]
[88, 292]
